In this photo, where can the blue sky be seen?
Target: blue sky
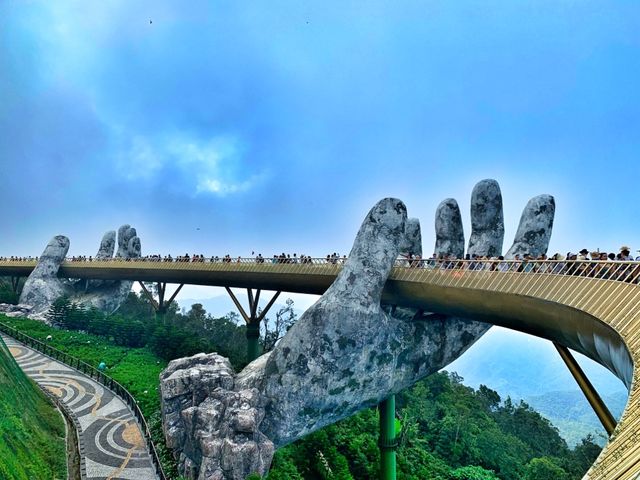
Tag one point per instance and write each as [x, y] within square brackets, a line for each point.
[231, 126]
[274, 126]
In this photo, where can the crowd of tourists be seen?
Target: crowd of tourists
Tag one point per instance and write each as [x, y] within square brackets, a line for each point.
[557, 263]
[582, 263]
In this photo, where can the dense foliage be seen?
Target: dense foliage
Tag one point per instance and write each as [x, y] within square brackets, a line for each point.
[170, 336]
[7, 294]
[449, 431]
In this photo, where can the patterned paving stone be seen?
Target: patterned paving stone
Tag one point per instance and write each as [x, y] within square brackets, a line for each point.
[114, 448]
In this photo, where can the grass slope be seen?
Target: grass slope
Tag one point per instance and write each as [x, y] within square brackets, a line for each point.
[32, 432]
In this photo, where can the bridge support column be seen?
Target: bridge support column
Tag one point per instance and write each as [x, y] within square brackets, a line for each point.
[253, 341]
[252, 319]
[160, 306]
[388, 441]
[603, 413]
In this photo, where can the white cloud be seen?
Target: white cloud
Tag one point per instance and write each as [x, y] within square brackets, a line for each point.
[211, 167]
[212, 185]
[141, 161]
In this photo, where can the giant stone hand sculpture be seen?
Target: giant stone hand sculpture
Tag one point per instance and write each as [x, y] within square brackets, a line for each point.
[43, 286]
[344, 354]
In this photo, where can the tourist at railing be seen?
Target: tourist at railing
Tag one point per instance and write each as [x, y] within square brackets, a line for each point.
[13, 258]
[594, 264]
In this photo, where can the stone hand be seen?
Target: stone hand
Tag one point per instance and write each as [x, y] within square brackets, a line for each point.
[43, 286]
[345, 353]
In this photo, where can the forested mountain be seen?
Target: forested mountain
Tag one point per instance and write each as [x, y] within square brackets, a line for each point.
[529, 368]
[448, 432]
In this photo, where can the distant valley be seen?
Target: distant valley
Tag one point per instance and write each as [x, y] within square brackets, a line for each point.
[525, 367]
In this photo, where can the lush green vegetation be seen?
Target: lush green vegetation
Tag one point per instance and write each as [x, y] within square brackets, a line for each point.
[117, 340]
[530, 369]
[449, 431]
[7, 295]
[32, 432]
[573, 416]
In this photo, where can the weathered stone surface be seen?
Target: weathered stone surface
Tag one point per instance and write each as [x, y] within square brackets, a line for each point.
[107, 246]
[345, 353]
[22, 311]
[534, 230]
[412, 244]
[325, 367]
[449, 230]
[487, 220]
[43, 286]
[20, 308]
[212, 427]
[128, 242]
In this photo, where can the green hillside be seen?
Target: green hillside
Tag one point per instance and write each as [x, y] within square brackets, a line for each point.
[32, 432]
[574, 418]
[524, 367]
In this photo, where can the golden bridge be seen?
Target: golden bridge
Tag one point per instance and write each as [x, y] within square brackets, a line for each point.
[589, 307]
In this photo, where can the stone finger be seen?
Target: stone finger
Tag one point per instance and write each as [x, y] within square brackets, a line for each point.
[125, 233]
[534, 230]
[449, 230]
[134, 247]
[487, 220]
[412, 244]
[107, 246]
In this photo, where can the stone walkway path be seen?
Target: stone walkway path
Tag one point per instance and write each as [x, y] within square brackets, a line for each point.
[112, 446]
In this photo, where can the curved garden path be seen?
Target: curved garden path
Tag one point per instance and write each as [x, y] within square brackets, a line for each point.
[111, 443]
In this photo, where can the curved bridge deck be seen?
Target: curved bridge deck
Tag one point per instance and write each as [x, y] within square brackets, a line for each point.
[590, 307]
[111, 442]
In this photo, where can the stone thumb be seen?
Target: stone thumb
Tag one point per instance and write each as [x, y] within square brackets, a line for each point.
[372, 256]
[53, 255]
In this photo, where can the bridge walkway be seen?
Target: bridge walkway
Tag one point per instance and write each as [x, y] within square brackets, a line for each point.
[111, 443]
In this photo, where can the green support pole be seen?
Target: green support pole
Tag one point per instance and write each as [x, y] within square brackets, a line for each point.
[160, 313]
[388, 438]
[253, 344]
